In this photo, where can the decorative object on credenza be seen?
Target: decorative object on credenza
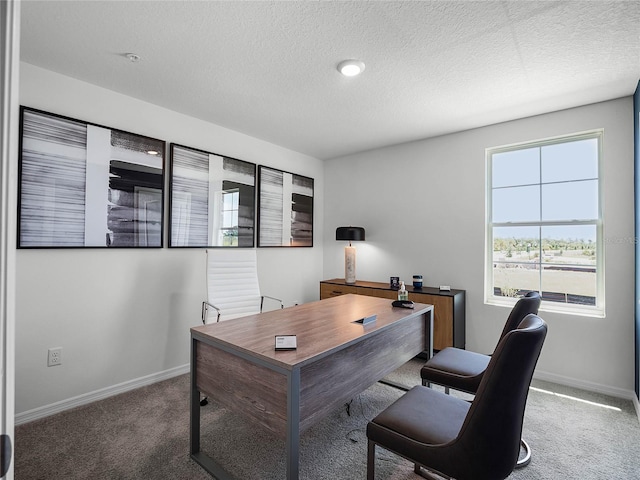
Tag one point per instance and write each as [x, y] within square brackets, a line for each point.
[417, 281]
[212, 199]
[85, 185]
[350, 234]
[285, 209]
[394, 282]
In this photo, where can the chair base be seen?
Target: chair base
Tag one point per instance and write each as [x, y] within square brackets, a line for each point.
[524, 461]
[424, 472]
[430, 475]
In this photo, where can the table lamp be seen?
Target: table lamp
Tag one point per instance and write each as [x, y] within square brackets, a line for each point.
[350, 234]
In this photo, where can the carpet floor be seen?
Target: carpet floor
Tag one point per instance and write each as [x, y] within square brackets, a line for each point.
[144, 434]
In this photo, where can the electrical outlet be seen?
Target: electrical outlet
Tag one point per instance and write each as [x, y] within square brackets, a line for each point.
[55, 357]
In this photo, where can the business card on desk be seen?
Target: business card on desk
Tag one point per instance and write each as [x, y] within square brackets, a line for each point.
[286, 342]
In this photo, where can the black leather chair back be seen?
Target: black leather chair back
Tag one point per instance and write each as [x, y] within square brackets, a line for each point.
[490, 435]
[530, 303]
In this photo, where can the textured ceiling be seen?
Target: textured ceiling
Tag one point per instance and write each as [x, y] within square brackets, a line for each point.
[268, 69]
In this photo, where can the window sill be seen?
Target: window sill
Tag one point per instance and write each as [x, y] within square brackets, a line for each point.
[547, 306]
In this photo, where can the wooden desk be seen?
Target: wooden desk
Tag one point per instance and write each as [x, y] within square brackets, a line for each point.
[235, 363]
[448, 312]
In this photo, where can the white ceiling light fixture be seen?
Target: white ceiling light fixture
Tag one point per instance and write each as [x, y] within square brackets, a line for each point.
[351, 68]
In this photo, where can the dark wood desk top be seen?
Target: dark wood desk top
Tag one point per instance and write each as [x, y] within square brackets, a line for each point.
[321, 328]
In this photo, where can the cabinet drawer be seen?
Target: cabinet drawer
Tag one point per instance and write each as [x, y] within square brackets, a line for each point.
[372, 292]
[328, 291]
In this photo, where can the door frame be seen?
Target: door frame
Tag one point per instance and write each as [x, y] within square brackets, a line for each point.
[9, 108]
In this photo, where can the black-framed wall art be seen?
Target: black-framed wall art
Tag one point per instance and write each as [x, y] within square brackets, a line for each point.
[212, 199]
[285, 209]
[86, 185]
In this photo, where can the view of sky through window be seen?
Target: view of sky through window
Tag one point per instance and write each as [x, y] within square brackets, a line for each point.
[545, 219]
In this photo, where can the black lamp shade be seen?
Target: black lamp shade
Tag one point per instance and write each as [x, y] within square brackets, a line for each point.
[350, 233]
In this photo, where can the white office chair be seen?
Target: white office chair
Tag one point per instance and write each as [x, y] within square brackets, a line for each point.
[232, 284]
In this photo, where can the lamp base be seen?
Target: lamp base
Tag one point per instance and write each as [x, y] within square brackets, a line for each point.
[349, 265]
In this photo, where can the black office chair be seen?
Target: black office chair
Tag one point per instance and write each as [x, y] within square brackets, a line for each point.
[462, 369]
[478, 440]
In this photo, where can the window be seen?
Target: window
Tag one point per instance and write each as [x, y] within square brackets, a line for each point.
[544, 223]
[230, 206]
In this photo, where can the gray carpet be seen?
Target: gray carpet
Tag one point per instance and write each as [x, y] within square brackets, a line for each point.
[144, 434]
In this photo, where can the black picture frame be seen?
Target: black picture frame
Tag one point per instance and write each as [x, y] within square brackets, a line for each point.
[212, 199]
[285, 209]
[81, 184]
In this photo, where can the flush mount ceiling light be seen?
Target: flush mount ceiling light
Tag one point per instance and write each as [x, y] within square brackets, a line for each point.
[351, 68]
[133, 57]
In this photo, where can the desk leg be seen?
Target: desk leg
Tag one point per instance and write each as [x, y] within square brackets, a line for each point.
[430, 333]
[293, 425]
[201, 458]
[194, 404]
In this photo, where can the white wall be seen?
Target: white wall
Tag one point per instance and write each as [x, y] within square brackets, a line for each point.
[422, 205]
[120, 315]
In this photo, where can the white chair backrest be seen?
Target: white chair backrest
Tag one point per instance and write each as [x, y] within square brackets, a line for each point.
[232, 282]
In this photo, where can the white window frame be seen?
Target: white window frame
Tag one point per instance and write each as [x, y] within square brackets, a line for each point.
[234, 211]
[597, 310]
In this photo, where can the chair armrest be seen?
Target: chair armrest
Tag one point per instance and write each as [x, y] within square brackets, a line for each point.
[205, 311]
[262, 297]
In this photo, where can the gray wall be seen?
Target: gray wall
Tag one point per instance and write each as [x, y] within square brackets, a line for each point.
[125, 315]
[423, 207]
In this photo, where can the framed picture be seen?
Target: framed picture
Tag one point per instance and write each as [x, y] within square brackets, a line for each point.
[285, 209]
[212, 199]
[85, 185]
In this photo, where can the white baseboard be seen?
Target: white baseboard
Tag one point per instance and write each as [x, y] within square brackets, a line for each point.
[47, 410]
[86, 398]
[591, 387]
[584, 385]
